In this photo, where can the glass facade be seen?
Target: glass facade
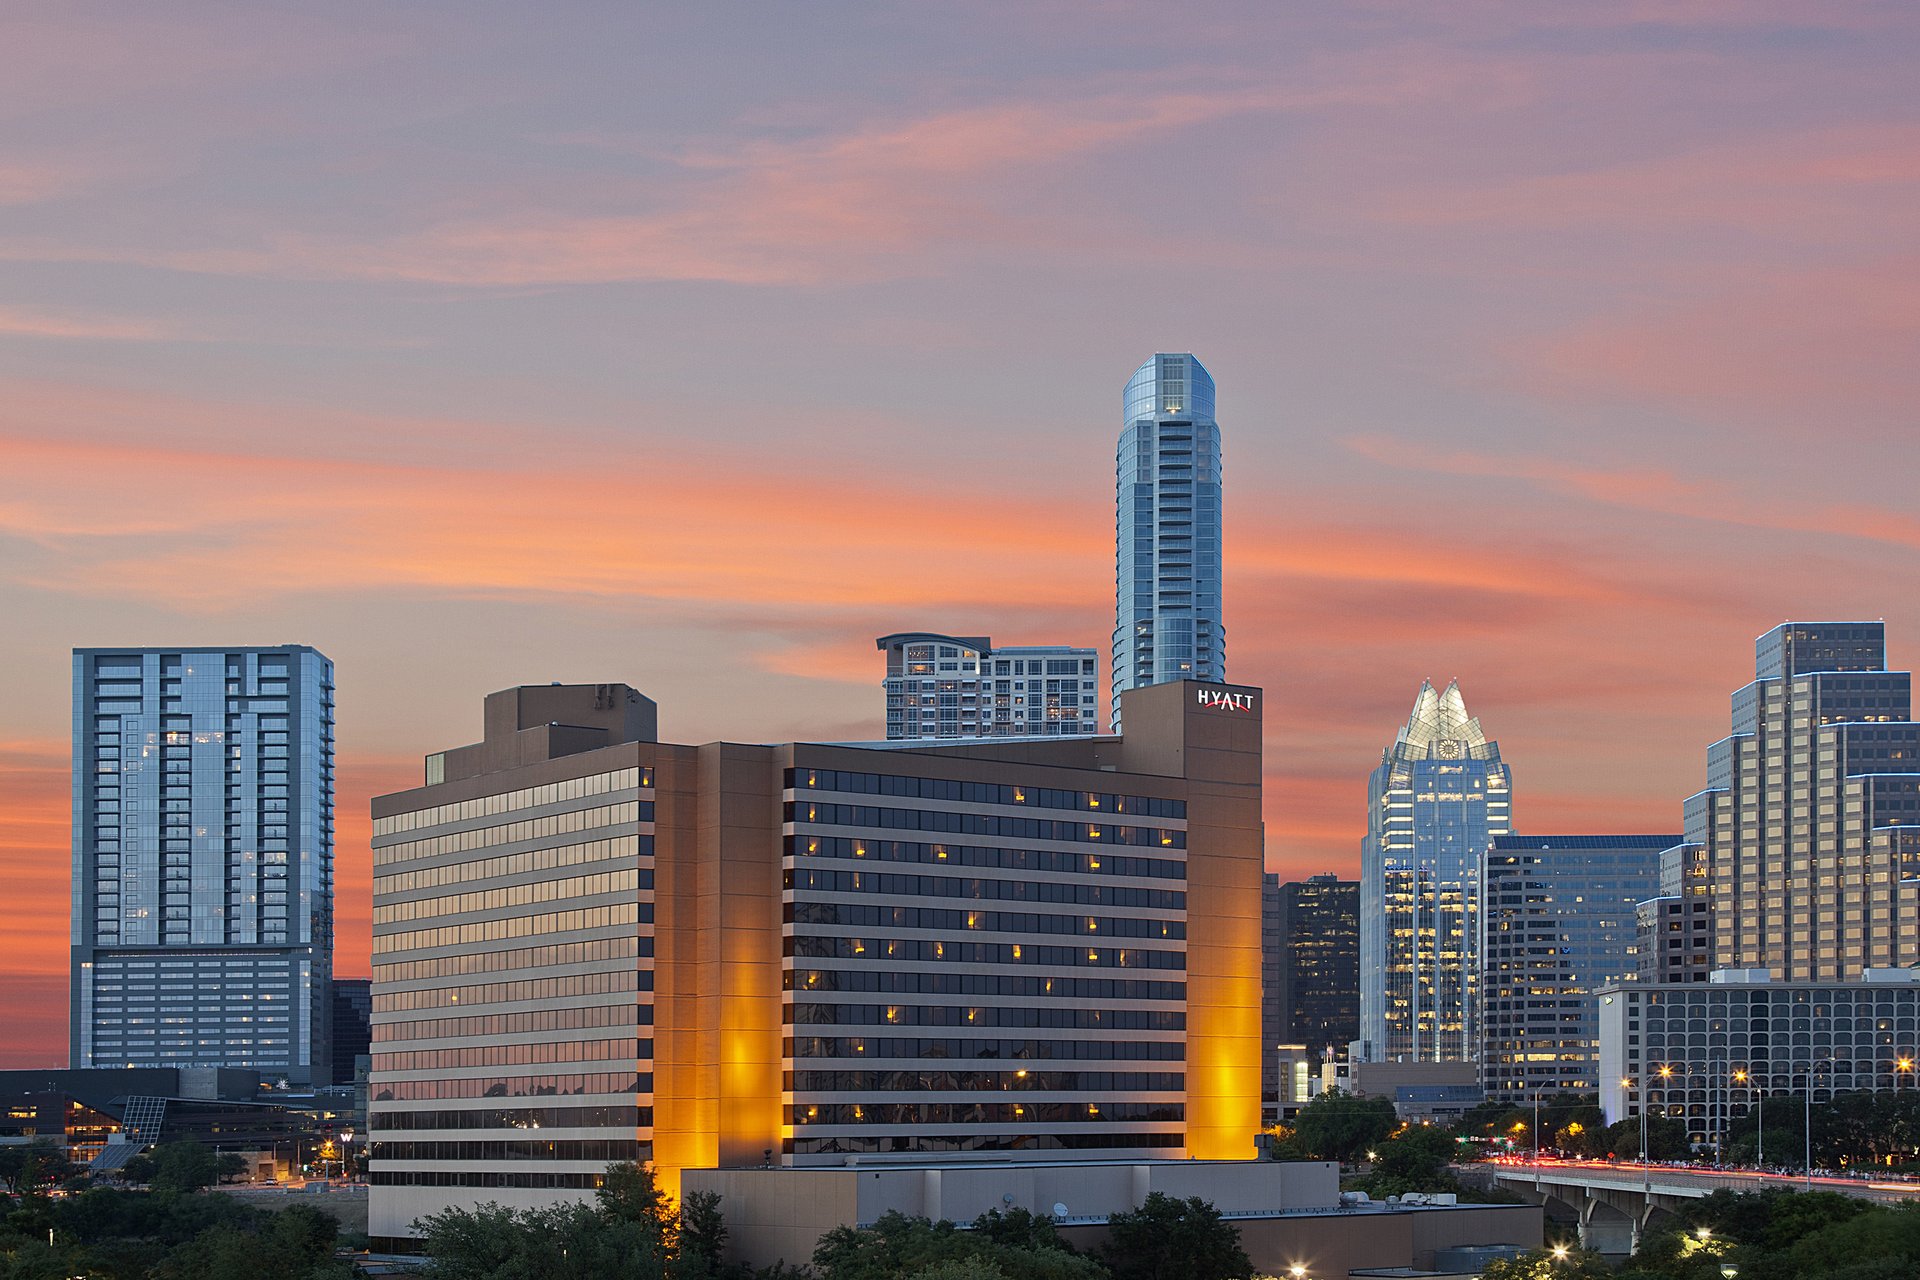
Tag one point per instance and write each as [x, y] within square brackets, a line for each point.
[1310, 945]
[202, 915]
[1439, 797]
[1558, 918]
[483, 991]
[1810, 822]
[1707, 1052]
[1167, 569]
[962, 687]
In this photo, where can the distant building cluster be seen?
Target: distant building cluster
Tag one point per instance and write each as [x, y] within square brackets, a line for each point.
[997, 935]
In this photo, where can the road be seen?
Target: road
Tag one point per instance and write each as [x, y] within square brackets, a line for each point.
[1631, 1174]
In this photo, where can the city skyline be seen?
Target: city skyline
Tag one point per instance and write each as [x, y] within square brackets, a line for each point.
[1564, 352]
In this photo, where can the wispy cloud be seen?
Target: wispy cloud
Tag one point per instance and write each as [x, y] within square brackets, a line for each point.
[1657, 491]
[1829, 186]
[25, 322]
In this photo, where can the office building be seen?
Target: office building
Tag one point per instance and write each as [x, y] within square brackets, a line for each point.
[1707, 1051]
[1439, 1090]
[1439, 797]
[802, 954]
[352, 1025]
[962, 687]
[1310, 944]
[203, 859]
[1167, 579]
[1558, 919]
[1675, 930]
[1811, 817]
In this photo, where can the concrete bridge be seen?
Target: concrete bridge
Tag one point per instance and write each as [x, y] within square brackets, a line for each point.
[1615, 1205]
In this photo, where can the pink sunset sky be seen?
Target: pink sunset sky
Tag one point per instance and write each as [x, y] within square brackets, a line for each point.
[1561, 349]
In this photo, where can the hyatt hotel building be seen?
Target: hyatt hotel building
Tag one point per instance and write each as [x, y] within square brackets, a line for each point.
[591, 946]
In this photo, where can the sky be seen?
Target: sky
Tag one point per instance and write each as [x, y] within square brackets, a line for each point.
[1561, 349]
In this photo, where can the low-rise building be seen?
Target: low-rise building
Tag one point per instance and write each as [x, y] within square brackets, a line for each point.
[1287, 1213]
[1706, 1052]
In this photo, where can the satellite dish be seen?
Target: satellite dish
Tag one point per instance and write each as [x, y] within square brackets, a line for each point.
[1059, 1210]
[1007, 1198]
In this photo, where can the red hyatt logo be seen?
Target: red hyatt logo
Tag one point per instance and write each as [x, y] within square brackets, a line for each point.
[1221, 700]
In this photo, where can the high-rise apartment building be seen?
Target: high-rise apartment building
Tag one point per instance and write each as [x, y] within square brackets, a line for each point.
[590, 945]
[941, 686]
[1310, 943]
[1558, 919]
[1167, 572]
[1811, 817]
[1439, 797]
[203, 859]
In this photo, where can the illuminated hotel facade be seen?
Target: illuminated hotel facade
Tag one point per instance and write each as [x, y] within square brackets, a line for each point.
[593, 946]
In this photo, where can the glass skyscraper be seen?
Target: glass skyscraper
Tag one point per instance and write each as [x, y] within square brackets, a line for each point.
[1167, 622]
[203, 859]
[1439, 797]
[1558, 920]
[1310, 963]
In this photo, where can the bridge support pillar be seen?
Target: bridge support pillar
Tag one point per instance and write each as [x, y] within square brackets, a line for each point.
[1607, 1226]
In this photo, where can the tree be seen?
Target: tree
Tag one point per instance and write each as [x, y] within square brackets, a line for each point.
[703, 1241]
[24, 1166]
[1338, 1125]
[296, 1243]
[558, 1242]
[183, 1167]
[894, 1246]
[1666, 1138]
[1016, 1245]
[1417, 1158]
[230, 1165]
[959, 1269]
[1771, 1220]
[1547, 1264]
[1169, 1239]
[1880, 1235]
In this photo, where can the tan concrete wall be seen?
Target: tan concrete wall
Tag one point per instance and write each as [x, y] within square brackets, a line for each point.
[1521, 1224]
[778, 1215]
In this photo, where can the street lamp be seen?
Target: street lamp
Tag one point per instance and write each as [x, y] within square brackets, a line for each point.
[1807, 1122]
[1728, 1270]
[1559, 1253]
[1646, 1174]
[1758, 1102]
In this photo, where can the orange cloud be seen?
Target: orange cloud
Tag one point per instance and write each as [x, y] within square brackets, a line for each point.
[1824, 351]
[28, 323]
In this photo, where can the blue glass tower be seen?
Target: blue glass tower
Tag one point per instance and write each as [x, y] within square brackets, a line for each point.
[1167, 623]
[203, 859]
[1439, 797]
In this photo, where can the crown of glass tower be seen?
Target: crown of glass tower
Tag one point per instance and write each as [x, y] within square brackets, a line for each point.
[1167, 624]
